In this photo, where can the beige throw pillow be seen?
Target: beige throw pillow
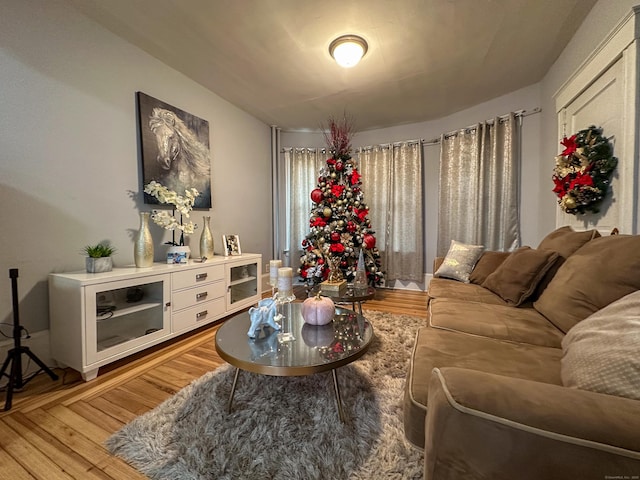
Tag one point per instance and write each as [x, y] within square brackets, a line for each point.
[459, 262]
[601, 352]
[517, 277]
[487, 264]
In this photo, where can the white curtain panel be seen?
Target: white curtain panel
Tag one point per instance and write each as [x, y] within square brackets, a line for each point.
[303, 166]
[392, 187]
[479, 186]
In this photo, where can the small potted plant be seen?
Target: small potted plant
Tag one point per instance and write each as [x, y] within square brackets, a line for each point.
[99, 257]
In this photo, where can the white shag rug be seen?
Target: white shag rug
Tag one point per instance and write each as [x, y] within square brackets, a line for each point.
[285, 427]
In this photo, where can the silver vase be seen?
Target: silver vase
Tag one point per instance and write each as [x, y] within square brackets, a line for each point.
[143, 246]
[206, 239]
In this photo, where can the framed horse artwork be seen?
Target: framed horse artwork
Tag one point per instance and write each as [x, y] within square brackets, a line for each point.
[174, 148]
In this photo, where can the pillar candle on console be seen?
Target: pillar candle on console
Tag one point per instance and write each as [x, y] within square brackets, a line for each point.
[274, 265]
[285, 281]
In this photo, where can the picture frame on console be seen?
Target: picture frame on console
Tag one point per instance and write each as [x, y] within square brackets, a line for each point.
[231, 245]
[174, 149]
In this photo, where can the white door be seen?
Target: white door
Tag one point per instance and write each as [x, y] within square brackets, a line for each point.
[602, 105]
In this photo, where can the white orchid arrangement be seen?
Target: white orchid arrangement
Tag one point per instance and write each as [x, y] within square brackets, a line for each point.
[182, 203]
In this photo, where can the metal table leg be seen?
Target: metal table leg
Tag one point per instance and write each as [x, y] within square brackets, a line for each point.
[233, 389]
[336, 388]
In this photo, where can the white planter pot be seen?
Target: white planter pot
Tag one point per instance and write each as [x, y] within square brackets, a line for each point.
[98, 265]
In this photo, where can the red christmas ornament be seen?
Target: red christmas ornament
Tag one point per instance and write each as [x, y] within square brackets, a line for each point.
[339, 166]
[335, 236]
[369, 241]
[316, 195]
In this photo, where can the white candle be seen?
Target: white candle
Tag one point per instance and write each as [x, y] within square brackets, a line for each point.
[274, 265]
[285, 280]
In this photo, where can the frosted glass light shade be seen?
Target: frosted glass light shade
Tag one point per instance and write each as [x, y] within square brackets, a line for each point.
[347, 50]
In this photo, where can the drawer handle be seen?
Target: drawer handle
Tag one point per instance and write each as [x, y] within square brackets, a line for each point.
[201, 295]
[201, 314]
[201, 276]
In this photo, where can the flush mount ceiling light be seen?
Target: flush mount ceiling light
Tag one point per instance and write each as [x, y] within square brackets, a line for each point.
[347, 50]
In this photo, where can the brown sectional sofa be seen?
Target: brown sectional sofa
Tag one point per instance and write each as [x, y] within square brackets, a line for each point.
[485, 394]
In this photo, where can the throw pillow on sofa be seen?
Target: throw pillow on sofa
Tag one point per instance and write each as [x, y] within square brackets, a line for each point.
[601, 352]
[459, 262]
[599, 273]
[517, 277]
[566, 241]
[488, 263]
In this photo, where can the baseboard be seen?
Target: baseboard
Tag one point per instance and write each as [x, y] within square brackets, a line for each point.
[38, 343]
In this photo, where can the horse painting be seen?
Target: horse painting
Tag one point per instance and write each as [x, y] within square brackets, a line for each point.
[182, 158]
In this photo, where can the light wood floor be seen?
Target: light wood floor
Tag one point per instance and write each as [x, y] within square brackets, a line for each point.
[55, 430]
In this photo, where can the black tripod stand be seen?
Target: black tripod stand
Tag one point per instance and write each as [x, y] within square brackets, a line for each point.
[14, 355]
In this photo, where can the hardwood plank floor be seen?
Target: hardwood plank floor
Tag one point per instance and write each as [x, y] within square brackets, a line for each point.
[55, 430]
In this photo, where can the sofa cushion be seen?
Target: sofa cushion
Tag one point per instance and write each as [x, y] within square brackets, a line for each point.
[459, 261]
[601, 352]
[439, 348]
[599, 273]
[501, 322]
[566, 241]
[488, 262]
[445, 288]
[517, 277]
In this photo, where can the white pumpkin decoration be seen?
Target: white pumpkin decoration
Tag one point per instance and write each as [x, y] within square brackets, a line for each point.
[318, 310]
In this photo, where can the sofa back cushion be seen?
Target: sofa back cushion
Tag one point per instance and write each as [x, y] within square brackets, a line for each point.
[601, 353]
[599, 273]
[517, 277]
[566, 241]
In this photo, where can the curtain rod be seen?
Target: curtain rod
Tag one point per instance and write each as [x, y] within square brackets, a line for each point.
[435, 141]
[302, 149]
[518, 114]
[389, 145]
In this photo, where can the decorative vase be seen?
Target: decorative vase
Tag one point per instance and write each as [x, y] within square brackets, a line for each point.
[143, 246]
[206, 239]
[178, 255]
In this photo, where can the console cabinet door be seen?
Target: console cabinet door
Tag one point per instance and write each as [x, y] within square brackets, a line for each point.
[123, 316]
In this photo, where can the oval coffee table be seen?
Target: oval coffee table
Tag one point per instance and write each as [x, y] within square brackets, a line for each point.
[304, 350]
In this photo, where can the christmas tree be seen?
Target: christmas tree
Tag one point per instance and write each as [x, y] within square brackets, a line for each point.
[339, 225]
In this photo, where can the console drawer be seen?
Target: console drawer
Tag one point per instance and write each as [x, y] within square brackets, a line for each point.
[199, 314]
[196, 276]
[196, 295]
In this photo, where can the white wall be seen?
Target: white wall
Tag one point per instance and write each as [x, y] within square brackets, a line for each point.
[527, 98]
[69, 156]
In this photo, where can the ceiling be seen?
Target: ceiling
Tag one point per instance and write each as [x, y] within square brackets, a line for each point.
[426, 59]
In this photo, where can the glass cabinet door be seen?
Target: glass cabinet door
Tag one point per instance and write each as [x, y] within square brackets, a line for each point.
[125, 314]
[242, 283]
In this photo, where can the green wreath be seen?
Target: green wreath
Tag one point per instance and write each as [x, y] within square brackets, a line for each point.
[583, 170]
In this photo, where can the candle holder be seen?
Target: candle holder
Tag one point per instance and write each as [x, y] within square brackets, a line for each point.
[285, 296]
[285, 285]
[274, 266]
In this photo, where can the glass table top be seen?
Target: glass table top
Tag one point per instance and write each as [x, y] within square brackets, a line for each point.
[313, 348]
